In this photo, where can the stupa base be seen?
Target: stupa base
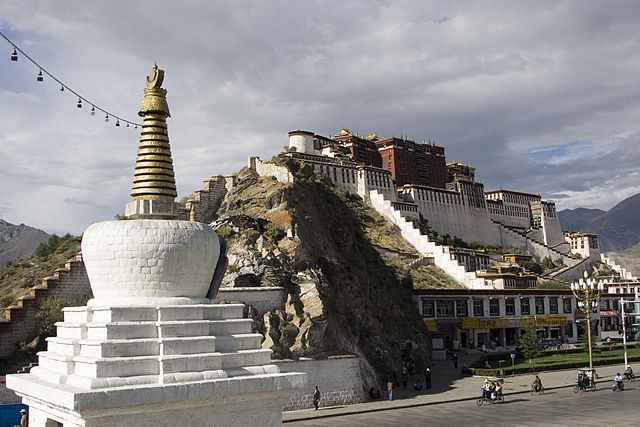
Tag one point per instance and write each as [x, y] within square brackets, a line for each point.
[155, 366]
[240, 401]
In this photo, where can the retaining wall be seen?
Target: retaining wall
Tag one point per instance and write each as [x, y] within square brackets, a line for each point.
[337, 378]
[262, 299]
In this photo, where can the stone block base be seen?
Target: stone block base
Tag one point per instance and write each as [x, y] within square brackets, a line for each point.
[254, 403]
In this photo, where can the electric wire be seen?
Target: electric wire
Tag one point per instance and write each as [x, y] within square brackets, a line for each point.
[64, 87]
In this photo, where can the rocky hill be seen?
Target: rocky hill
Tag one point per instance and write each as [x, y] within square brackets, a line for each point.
[324, 246]
[617, 228]
[18, 241]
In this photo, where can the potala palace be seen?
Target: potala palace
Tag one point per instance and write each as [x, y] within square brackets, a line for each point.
[409, 182]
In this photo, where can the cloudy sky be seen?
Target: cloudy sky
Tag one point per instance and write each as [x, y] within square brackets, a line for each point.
[541, 97]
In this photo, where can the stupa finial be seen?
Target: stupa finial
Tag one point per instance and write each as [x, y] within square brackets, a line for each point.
[153, 178]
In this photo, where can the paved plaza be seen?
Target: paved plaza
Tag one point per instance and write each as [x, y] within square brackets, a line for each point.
[451, 401]
[557, 407]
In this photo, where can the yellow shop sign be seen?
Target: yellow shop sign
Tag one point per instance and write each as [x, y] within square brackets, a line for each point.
[551, 320]
[431, 325]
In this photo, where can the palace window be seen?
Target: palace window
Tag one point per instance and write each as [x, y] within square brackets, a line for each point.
[614, 304]
[445, 308]
[510, 306]
[494, 306]
[553, 305]
[478, 307]
[539, 305]
[461, 308]
[428, 308]
[524, 306]
[566, 305]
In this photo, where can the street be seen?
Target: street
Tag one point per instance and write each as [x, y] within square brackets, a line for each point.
[560, 407]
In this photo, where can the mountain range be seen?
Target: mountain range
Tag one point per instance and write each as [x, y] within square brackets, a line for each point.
[618, 228]
[18, 241]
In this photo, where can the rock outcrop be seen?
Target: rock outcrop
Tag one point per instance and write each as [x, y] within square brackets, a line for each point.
[341, 296]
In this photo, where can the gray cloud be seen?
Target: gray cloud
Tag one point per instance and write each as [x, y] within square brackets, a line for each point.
[494, 82]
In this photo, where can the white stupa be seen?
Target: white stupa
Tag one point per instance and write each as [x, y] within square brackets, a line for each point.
[150, 349]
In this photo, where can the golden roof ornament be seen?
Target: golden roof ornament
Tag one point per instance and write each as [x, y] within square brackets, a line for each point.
[154, 187]
[153, 176]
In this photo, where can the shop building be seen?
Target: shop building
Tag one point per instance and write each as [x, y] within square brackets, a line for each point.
[487, 319]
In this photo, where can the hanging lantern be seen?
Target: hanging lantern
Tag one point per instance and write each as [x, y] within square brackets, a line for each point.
[118, 123]
[127, 124]
[62, 88]
[14, 55]
[39, 76]
[79, 103]
[93, 110]
[106, 118]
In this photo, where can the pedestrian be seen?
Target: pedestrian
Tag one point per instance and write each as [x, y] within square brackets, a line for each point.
[316, 397]
[395, 377]
[390, 389]
[24, 420]
[405, 376]
[455, 360]
[427, 378]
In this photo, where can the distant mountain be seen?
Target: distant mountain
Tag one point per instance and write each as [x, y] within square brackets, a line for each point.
[617, 229]
[577, 219]
[17, 241]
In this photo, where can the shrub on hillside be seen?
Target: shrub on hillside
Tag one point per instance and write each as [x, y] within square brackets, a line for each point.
[273, 232]
[47, 248]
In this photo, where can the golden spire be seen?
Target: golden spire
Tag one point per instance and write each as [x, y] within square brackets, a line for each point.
[153, 178]
[192, 212]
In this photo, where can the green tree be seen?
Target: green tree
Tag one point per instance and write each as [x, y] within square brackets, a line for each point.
[532, 264]
[547, 263]
[47, 248]
[528, 341]
[584, 336]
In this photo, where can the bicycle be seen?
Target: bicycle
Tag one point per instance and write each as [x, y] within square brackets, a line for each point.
[538, 391]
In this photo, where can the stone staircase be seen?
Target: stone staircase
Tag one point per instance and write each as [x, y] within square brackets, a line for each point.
[539, 247]
[19, 322]
[441, 254]
[624, 273]
[105, 347]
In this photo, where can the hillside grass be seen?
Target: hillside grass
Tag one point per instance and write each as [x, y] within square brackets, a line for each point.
[423, 277]
[17, 278]
[378, 230]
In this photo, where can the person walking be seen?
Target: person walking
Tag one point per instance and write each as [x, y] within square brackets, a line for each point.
[316, 397]
[455, 360]
[405, 376]
[390, 388]
[427, 378]
[24, 420]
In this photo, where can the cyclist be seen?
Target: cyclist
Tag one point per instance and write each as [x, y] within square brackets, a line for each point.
[537, 384]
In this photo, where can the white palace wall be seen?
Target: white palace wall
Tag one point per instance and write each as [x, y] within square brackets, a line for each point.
[447, 212]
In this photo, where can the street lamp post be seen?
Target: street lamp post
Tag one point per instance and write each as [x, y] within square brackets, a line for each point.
[587, 291]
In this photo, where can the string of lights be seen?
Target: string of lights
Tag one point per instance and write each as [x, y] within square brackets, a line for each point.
[64, 87]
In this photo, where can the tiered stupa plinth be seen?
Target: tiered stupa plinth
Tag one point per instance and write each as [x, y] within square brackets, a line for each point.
[150, 349]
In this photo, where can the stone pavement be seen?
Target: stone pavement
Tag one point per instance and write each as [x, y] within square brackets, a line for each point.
[450, 386]
[7, 396]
